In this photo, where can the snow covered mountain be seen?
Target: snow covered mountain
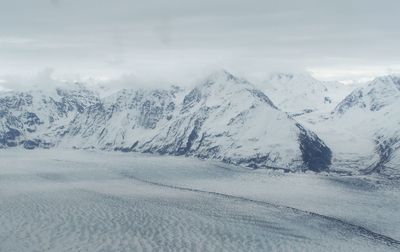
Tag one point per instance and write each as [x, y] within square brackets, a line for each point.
[122, 120]
[363, 130]
[223, 117]
[375, 111]
[301, 93]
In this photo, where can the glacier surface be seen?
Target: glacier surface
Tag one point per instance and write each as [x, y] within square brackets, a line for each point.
[74, 200]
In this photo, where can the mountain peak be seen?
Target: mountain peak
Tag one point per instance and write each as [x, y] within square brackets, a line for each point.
[289, 77]
[223, 76]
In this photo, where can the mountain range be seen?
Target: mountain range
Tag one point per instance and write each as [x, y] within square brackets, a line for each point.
[290, 122]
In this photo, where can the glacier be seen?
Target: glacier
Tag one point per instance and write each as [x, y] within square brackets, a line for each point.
[81, 200]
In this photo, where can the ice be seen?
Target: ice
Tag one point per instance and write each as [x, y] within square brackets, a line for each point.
[65, 200]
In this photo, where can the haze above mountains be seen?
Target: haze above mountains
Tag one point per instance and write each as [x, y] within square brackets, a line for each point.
[292, 122]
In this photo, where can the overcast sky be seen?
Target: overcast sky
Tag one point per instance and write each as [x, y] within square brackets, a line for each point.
[337, 39]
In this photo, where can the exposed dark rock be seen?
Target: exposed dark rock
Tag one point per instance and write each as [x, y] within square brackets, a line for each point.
[190, 99]
[315, 154]
[327, 99]
[351, 100]
[127, 149]
[9, 137]
[30, 144]
[192, 137]
[385, 149]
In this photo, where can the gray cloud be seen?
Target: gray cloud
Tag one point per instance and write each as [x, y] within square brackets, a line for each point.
[177, 37]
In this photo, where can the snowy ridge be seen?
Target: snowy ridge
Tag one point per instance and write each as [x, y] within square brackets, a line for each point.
[300, 93]
[379, 93]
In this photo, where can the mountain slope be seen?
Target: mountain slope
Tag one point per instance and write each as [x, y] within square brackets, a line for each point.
[122, 120]
[363, 129]
[376, 110]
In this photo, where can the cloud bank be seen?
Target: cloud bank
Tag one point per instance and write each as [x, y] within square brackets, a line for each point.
[342, 39]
